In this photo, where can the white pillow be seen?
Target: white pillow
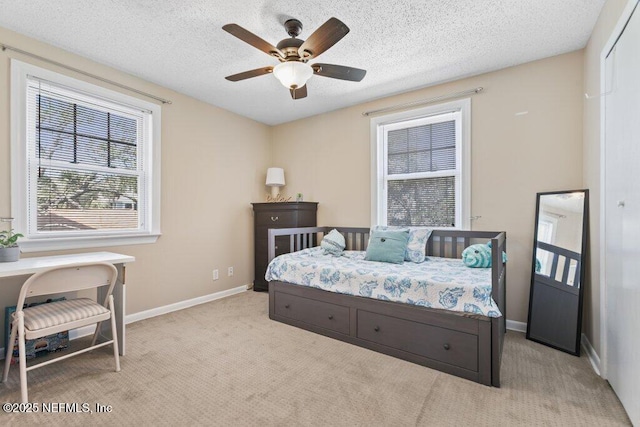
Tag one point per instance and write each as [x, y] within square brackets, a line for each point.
[333, 243]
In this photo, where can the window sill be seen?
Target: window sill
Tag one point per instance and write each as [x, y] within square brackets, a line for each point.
[62, 243]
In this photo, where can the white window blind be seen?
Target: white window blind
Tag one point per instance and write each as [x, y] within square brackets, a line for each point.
[85, 167]
[425, 200]
[420, 168]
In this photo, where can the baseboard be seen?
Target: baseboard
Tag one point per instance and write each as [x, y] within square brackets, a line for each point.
[513, 325]
[591, 354]
[88, 330]
[158, 311]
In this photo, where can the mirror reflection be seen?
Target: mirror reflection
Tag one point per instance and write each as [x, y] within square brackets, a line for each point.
[560, 233]
[555, 298]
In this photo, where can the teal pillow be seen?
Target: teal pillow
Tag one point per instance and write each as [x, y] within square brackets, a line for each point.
[417, 244]
[333, 243]
[387, 246]
[477, 256]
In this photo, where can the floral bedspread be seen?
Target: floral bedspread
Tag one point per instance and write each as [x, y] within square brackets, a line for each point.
[441, 283]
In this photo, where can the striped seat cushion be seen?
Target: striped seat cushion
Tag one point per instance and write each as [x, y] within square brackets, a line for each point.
[59, 312]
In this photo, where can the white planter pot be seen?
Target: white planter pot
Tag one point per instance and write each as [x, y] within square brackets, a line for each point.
[9, 254]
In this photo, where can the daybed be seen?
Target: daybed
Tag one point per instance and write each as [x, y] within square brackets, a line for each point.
[464, 344]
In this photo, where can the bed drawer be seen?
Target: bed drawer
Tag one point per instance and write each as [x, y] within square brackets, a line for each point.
[445, 345]
[318, 313]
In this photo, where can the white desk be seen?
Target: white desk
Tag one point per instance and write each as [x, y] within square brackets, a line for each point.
[28, 266]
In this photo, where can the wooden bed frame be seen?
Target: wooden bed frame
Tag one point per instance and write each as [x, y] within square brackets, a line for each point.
[469, 346]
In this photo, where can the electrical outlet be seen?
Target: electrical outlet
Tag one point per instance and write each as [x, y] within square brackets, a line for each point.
[215, 274]
[230, 272]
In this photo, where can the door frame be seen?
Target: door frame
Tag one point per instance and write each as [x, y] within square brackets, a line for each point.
[608, 46]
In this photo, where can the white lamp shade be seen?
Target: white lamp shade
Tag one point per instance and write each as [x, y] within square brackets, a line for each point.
[275, 177]
[293, 74]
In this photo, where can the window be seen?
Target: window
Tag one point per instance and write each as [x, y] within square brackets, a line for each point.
[421, 167]
[85, 165]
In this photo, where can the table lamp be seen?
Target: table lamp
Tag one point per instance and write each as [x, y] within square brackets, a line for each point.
[275, 180]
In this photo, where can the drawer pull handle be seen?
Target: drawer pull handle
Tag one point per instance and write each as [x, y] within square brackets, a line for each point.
[377, 328]
[447, 346]
[274, 218]
[286, 306]
[330, 316]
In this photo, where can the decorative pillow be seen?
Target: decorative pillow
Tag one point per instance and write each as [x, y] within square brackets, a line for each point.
[387, 246]
[416, 246]
[479, 256]
[333, 243]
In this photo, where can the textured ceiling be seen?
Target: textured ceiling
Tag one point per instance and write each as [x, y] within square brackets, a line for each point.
[403, 44]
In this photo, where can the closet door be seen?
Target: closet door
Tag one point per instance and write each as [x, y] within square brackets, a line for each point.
[622, 218]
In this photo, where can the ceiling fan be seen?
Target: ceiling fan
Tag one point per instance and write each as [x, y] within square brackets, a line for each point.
[293, 54]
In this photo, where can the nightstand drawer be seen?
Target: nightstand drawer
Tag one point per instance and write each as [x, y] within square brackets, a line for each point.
[276, 219]
[318, 313]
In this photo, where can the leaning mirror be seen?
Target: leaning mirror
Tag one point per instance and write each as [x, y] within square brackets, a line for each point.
[558, 268]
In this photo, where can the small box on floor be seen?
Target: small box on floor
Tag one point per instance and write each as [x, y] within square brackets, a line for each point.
[37, 347]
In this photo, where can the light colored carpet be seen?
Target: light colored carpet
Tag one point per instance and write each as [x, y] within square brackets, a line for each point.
[225, 363]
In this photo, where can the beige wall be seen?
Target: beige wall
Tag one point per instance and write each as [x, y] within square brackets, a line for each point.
[213, 162]
[602, 31]
[328, 157]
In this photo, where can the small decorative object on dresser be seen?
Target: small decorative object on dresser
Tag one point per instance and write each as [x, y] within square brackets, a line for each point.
[277, 215]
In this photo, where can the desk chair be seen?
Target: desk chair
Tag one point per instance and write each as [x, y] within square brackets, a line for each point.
[51, 318]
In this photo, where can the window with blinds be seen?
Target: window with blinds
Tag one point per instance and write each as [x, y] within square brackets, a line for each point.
[414, 195]
[84, 162]
[420, 170]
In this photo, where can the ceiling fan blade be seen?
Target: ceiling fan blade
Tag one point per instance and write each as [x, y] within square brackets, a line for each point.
[339, 72]
[329, 33]
[248, 74]
[299, 93]
[255, 41]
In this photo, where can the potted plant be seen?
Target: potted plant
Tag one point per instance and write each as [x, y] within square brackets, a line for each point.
[9, 249]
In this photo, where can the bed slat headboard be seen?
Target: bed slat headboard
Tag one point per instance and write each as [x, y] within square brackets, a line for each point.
[442, 243]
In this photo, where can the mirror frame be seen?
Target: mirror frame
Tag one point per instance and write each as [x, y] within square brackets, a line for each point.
[575, 349]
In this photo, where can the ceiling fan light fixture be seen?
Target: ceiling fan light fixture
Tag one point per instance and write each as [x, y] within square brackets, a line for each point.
[293, 74]
[293, 71]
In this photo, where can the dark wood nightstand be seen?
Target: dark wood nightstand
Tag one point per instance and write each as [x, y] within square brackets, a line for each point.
[277, 215]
